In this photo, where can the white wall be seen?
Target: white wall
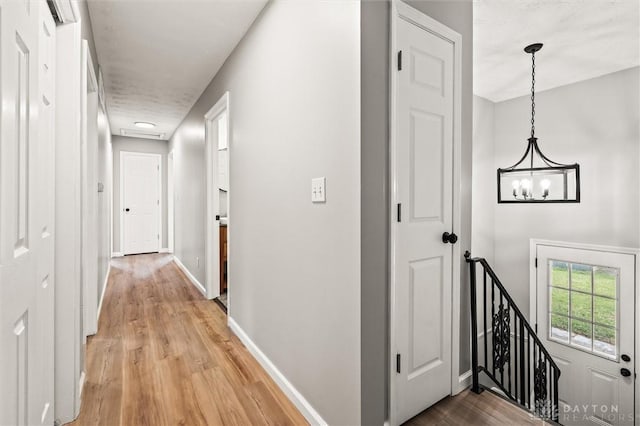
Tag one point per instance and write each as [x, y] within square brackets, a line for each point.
[484, 179]
[148, 146]
[595, 123]
[294, 271]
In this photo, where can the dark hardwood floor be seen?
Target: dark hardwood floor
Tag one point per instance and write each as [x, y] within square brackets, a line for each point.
[165, 356]
[467, 408]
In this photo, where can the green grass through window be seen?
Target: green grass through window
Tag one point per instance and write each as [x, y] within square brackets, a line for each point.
[584, 308]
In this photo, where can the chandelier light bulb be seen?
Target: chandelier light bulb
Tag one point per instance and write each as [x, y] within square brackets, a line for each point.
[545, 184]
[515, 184]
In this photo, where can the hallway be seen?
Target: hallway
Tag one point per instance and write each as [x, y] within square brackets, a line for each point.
[164, 356]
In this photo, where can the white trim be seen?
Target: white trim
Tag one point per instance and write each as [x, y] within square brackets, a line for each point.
[400, 10]
[307, 410]
[160, 199]
[464, 382]
[164, 250]
[189, 275]
[117, 254]
[104, 290]
[222, 105]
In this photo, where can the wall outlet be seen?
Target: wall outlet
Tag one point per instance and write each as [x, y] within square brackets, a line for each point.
[318, 190]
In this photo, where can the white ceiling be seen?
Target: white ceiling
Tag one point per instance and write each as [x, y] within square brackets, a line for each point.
[158, 56]
[582, 39]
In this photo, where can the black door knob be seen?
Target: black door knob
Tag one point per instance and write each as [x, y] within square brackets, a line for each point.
[625, 357]
[625, 372]
[217, 217]
[449, 238]
[126, 210]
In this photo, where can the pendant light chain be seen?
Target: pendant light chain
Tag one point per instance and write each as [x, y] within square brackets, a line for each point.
[533, 93]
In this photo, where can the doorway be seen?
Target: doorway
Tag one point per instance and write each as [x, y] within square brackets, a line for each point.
[89, 179]
[218, 137]
[425, 181]
[170, 204]
[583, 304]
[140, 202]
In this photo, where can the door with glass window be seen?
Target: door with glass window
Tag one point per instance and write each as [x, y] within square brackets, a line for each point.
[585, 318]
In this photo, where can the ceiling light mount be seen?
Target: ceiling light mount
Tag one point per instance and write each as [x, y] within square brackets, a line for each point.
[533, 48]
[544, 181]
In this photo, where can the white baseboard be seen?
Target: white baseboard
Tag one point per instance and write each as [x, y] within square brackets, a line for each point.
[189, 275]
[104, 290]
[289, 390]
[116, 254]
[164, 250]
[464, 381]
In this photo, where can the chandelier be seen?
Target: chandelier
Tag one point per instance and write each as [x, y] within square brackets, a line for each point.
[535, 178]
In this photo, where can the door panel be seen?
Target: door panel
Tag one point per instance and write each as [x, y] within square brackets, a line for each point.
[26, 216]
[585, 315]
[424, 187]
[141, 196]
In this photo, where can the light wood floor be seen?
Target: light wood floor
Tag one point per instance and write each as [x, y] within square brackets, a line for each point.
[468, 408]
[163, 355]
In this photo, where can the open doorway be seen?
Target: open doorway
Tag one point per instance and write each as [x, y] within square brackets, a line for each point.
[170, 204]
[218, 215]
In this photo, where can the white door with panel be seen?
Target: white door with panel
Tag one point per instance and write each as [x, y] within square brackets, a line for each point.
[27, 120]
[585, 313]
[140, 174]
[422, 263]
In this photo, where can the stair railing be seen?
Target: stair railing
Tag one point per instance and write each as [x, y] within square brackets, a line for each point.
[523, 370]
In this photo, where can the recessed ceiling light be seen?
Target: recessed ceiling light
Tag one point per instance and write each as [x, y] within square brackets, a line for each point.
[144, 125]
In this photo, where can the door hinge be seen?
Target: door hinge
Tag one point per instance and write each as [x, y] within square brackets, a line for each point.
[399, 213]
[158, 236]
[158, 167]
[536, 327]
[398, 363]
[158, 202]
[536, 262]
[399, 60]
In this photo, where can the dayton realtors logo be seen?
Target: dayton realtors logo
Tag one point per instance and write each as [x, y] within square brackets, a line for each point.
[581, 413]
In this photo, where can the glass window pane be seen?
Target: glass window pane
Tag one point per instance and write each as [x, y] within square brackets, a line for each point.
[581, 333]
[559, 301]
[604, 311]
[581, 305]
[559, 329]
[605, 281]
[581, 277]
[559, 274]
[604, 341]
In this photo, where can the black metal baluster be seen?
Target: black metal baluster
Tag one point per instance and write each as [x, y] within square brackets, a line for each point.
[515, 355]
[501, 340]
[508, 353]
[523, 396]
[529, 369]
[484, 315]
[493, 336]
[556, 407]
[474, 330]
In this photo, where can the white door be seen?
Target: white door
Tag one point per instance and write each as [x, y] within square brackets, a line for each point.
[27, 85]
[423, 164]
[217, 144]
[140, 174]
[585, 315]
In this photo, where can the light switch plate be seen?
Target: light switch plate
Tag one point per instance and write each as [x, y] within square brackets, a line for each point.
[318, 193]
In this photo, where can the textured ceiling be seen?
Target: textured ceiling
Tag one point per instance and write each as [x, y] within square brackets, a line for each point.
[582, 39]
[157, 56]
